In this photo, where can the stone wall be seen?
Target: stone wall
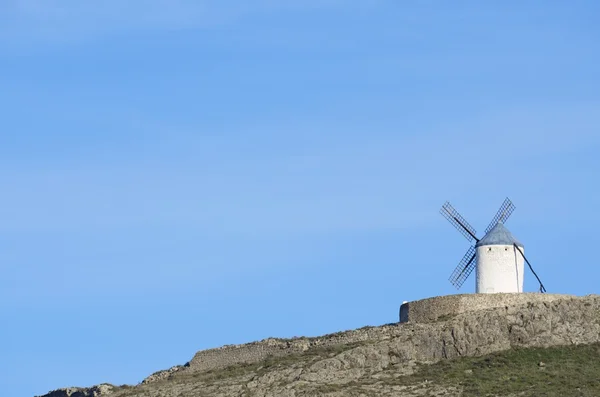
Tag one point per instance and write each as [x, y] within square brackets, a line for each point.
[256, 351]
[444, 307]
[418, 312]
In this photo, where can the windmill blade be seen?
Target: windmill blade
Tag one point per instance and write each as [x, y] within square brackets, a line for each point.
[464, 268]
[458, 221]
[504, 212]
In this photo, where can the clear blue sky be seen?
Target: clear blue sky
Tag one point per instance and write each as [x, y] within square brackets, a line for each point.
[179, 175]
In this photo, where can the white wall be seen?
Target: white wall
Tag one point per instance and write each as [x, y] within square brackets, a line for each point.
[499, 269]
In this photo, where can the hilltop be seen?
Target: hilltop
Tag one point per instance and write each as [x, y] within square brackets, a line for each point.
[459, 345]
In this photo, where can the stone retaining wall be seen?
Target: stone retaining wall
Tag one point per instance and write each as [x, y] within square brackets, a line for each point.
[444, 307]
[256, 351]
[422, 311]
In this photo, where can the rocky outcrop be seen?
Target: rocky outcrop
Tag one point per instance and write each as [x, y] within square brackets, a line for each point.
[164, 374]
[94, 391]
[353, 362]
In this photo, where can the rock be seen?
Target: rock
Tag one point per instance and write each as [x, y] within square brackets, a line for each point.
[94, 391]
[164, 374]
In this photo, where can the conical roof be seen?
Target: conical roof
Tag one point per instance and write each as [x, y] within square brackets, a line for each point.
[499, 235]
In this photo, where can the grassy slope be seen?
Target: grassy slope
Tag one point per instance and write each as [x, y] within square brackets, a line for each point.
[565, 372]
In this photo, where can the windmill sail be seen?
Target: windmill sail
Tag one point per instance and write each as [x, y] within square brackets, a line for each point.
[464, 268]
[458, 221]
[506, 209]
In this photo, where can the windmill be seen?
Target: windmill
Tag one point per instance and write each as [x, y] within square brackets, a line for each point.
[498, 256]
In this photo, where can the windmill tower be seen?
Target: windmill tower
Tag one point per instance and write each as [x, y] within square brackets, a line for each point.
[499, 257]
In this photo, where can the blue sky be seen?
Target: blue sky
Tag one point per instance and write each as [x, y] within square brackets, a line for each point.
[179, 175]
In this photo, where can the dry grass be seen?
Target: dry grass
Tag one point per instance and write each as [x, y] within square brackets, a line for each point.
[551, 372]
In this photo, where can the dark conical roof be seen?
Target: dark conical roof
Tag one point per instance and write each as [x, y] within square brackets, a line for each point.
[499, 235]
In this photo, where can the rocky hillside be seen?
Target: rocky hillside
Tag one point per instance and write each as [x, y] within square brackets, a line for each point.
[503, 346]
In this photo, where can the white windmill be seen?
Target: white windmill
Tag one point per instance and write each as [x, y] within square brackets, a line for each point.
[498, 256]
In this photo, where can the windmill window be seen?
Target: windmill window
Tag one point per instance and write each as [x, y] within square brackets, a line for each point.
[490, 248]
